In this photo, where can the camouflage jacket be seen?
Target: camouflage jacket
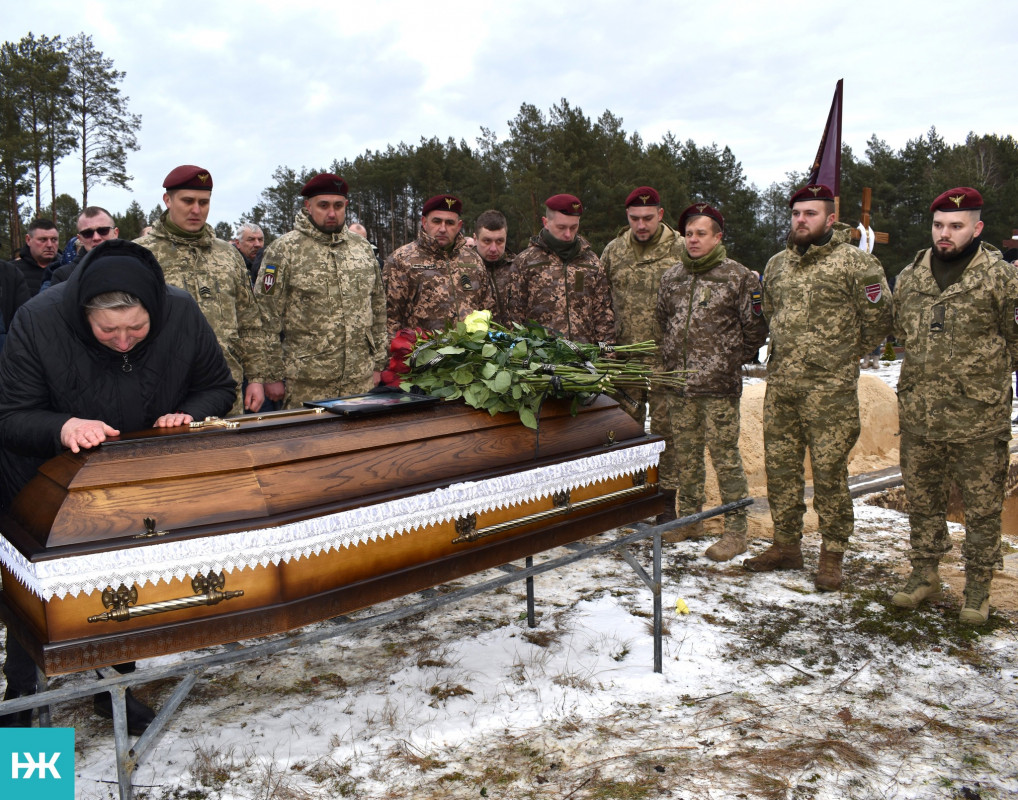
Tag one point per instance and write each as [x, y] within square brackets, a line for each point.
[427, 286]
[961, 346]
[712, 324]
[322, 292]
[572, 298]
[634, 273]
[212, 272]
[500, 274]
[826, 309]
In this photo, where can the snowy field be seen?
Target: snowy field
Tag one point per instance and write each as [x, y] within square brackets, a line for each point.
[770, 690]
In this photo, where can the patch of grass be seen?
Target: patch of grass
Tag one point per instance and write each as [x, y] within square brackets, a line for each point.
[316, 682]
[442, 692]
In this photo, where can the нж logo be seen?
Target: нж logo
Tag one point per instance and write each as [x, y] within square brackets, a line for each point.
[29, 765]
[37, 763]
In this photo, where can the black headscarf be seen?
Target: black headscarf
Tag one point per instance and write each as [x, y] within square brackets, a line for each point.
[117, 265]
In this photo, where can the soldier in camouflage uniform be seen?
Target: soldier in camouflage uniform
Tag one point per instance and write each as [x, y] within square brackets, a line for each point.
[709, 311]
[437, 278]
[490, 235]
[322, 293]
[633, 263]
[956, 314]
[558, 281]
[212, 272]
[827, 304]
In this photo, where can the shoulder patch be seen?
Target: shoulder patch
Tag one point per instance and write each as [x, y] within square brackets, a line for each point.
[269, 279]
[757, 300]
[874, 292]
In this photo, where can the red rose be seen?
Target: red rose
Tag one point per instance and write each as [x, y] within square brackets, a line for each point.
[389, 378]
[396, 364]
[403, 342]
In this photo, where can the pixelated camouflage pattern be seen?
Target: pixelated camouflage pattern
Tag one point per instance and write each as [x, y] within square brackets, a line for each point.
[979, 468]
[500, 275]
[712, 324]
[572, 298]
[322, 292]
[660, 425]
[212, 272]
[960, 348]
[713, 423]
[427, 285]
[828, 419]
[634, 273]
[822, 320]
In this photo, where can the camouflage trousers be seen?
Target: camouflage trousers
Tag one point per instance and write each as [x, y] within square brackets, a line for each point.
[979, 469]
[697, 423]
[826, 421]
[300, 391]
[660, 425]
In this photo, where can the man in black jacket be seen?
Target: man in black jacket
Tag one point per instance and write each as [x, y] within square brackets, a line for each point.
[39, 257]
[13, 293]
[111, 350]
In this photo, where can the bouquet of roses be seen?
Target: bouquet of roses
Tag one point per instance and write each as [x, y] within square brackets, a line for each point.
[514, 369]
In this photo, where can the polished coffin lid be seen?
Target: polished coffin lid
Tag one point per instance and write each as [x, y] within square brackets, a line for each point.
[162, 504]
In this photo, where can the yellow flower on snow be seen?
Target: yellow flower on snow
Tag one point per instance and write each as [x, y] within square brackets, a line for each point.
[477, 321]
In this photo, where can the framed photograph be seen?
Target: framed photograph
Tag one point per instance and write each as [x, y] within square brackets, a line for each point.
[359, 405]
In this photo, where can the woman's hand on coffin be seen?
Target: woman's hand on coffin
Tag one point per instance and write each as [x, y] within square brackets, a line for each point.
[77, 434]
[173, 420]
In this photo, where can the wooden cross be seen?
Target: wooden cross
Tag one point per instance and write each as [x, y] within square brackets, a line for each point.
[867, 198]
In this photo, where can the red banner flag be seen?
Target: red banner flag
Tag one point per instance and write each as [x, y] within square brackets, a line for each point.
[826, 167]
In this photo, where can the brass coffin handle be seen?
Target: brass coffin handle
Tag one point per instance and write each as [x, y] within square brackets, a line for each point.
[208, 592]
[560, 509]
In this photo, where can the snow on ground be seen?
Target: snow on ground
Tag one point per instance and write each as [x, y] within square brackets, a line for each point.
[769, 690]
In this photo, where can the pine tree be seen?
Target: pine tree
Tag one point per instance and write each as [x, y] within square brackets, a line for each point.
[104, 129]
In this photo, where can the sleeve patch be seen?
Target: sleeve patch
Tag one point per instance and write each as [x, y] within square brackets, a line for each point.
[874, 292]
[269, 279]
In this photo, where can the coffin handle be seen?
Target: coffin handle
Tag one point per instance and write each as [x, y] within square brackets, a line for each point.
[209, 590]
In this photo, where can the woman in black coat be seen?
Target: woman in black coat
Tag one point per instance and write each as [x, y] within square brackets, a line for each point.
[112, 350]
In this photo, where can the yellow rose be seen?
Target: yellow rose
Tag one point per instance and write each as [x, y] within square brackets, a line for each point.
[477, 321]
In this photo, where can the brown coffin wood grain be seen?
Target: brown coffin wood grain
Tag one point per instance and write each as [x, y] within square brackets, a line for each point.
[273, 471]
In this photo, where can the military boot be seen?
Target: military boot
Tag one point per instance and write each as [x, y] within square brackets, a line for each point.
[976, 609]
[828, 577]
[780, 555]
[728, 546]
[923, 584]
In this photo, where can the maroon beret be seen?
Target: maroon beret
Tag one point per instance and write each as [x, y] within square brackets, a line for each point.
[643, 196]
[814, 191]
[326, 183]
[700, 210]
[442, 202]
[963, 198]
[565, 204]
[188, 176]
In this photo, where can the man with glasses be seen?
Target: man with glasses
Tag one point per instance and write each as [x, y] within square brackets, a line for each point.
[95, 226]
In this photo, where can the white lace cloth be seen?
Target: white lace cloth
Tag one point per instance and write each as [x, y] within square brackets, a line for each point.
[263, 546]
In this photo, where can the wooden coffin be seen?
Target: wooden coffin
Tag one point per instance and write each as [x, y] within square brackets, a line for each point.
[171, 540]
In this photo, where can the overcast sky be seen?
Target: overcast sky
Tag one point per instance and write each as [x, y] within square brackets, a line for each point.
[243, 87]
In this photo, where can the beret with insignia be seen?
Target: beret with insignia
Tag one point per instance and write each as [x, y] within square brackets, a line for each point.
[643, 196]
[700, 210]
[442, 202]
[326, 183]
[814, 191]
[565, 204]
[963, 198]
[188, 176]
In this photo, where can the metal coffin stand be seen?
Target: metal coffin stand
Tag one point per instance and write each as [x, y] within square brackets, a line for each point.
[128, 756]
